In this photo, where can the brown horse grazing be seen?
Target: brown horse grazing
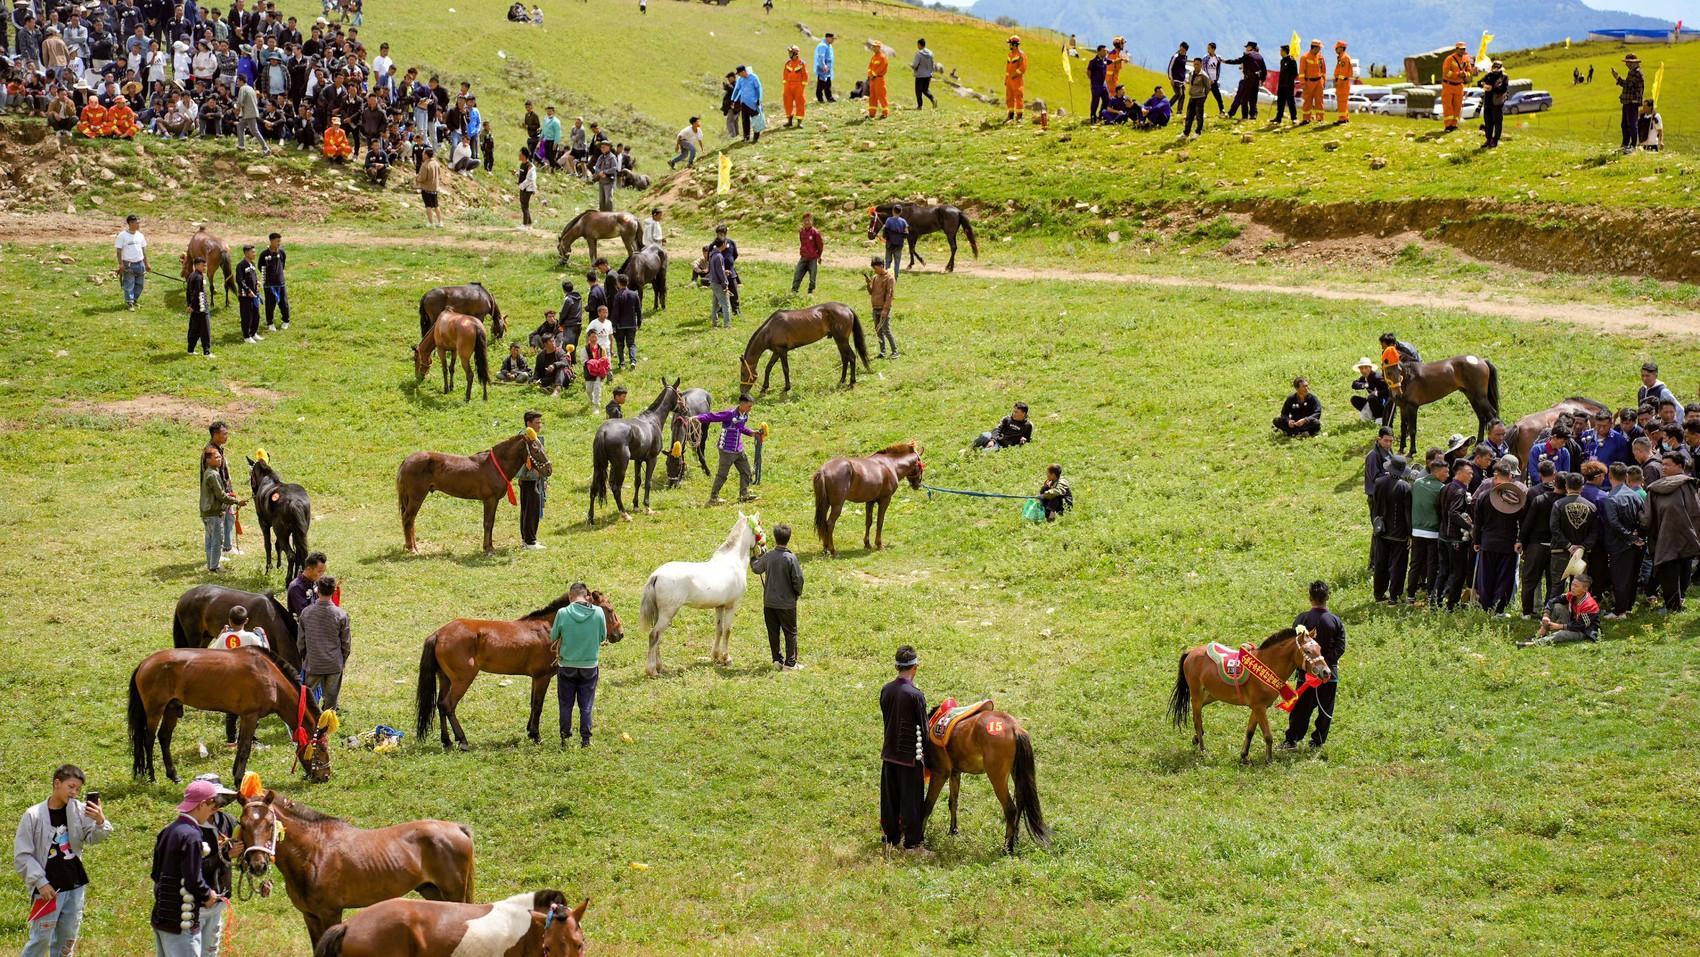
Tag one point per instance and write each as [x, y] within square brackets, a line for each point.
[249, 683]
[592, 225]
[871, 479]
[1529, 427]
[992, 743]
[1419, 383]
[924, 219]
[330, 865]
[648, 267]
[537, 924]
[471, 299]
[1201, 681]
[789, 329]
[455, 654]
[485, 476]
[455, 336]
[204, 610]
[217, 254]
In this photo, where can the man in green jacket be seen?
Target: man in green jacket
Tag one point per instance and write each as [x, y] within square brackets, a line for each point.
[1425, 529]
[579, 631]
[215, 503]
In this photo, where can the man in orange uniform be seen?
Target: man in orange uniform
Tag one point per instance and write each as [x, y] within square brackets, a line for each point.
[1118, 56]
[92, 123]
[121, 120]
[336, 148]
[1015, 80]
[1342, 81]
[1454, 70]
[1312, 70]
[796, 74]
[876, 82]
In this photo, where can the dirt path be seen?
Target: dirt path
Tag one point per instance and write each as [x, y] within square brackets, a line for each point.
[44, 228]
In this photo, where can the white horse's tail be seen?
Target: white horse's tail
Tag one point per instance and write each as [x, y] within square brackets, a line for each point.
[647, 608]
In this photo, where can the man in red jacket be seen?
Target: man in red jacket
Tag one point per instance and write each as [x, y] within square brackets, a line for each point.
[808, 254]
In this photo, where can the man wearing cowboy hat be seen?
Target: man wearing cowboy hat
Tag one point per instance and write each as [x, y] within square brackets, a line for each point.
[1376, 404]
[1498, 514]
[217, 832]
[903, 709]
[180, 890]
[1633, 86]
[1454, 70]
[1495, 87]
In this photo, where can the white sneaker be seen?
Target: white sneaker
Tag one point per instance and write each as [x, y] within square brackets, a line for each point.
[208, 355]
[233, 551]
[259, 338]
[796, 667]
[286, 327]
[535, 547]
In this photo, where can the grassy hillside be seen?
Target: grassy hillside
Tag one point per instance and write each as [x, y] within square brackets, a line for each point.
[1590, 112]
[1476, 798]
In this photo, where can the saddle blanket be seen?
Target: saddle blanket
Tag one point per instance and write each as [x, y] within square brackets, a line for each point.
[948, 713]
[1230, 662]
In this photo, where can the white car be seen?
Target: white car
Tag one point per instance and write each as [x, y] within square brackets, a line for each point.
[1355, 103]
[1393, 104]
[1471, 110]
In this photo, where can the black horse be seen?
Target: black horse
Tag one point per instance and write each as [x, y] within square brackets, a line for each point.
[688, 433]
[634, 440]
[203, 611]
[923, 220]
[283, 508]
[471, 299]
[647, 266]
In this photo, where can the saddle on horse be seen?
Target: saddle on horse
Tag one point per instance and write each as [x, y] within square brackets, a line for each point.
[945, 717]
[1230, 662]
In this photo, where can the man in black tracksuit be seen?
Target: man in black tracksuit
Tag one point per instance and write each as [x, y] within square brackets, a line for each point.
[1375, 463]
[1285, 83]
[1330, 634]
[1620, 517]
[1177, 73]
[271, 270]
[782, 584]
[248, 295]
[1457, 558]
[903, 757]
[195, 296]
[1575, 527]
[1392, 506]
[625, 312]
[1535, 540]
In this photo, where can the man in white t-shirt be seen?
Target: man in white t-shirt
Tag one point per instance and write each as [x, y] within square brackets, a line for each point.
[653, 235]
[236, 634]
[381, 66]
[690, 144]
[132, 249]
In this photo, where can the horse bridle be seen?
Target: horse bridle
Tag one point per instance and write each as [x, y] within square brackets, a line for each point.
[245, 879]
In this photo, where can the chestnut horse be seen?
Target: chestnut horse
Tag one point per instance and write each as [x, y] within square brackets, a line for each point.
[203, 611]
[329, 865]
[592, 225]
[484, 476]
[471, 299]
[872, 479]
[455, 654]
[992, 743]
[535, 924]
[455, 336]
[789, 329]
[1529, 427]
[1197, 684]
[924, 219]
[1419, 383]
[249, 683]
[217, 254]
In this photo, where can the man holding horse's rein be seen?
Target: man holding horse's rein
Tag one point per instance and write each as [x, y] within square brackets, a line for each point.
[733, 427]
[903, 708]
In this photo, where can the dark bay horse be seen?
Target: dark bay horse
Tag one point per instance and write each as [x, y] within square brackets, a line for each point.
[455, 336]
[249, 683]
[329, 865]
[592, 225]
[992, 743]
[1199, 683]
[532, 924]
[284, 508]
[636, 440]
[924, 219]
[486, 476]
[456, 653]
[1529, 428]
[204, 609]
[688, 433]
[1419, 383]
[789, 329]
[872, 479]
[217, 254]
[471, 299]
[648, 267]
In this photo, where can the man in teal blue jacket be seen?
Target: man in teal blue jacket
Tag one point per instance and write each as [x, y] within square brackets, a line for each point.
[579, 631]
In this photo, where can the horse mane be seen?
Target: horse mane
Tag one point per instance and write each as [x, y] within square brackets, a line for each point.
[544, 899]
[575, 219]
[289, 621]
[306, 814]
[734, 535]
[905, 447]
[655, 407]
[1285, 634]
[547, 612]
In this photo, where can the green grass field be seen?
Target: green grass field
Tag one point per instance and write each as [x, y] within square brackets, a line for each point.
[1476, 798]
[1589, 112]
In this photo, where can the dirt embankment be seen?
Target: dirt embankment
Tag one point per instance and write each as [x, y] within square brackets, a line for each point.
[1548, 237]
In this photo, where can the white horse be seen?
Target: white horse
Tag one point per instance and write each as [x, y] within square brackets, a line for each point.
[718, 583]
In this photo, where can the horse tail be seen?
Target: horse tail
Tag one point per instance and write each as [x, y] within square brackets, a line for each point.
[648, 608]
[821, 504]
[1027, 791]
[1180, 702]
[298, 534]
[229, 277]
[598, 473]
[140, 746]
[425, 320]
[861, 340]
[481, 355]
[968, 227]
[426, 699]
[330, 945]
[180, 635]
[471, 893]
[1493, 386]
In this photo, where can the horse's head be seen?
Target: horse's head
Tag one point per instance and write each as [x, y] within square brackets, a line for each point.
[747, 371]
[260, 831]
[752, 523]
[875, 221]
[183, 261]
[498, 325]
[421, 363]
[1315, 664]
[616, 631]
[562, 928]
[1395, 376]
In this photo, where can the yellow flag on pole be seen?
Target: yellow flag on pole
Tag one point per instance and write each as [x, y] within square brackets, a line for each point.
[1068, 68]
[1481, 53]
[1295, 49]
[725, 184]
[1567, 43]
[1658, 81]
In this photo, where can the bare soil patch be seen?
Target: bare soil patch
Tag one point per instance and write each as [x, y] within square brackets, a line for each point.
[168, 408]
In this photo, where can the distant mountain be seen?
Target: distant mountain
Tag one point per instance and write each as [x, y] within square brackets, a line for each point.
[1378, 31]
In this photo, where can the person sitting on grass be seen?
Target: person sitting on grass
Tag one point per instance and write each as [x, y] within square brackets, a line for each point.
[336, 147]
[1157, 109]
[554, 368]
[1014, 429]
[1377, 398]
[1572, 616]
[1301, 414]
[515, 368]
[1120, 109]
[1054, 495]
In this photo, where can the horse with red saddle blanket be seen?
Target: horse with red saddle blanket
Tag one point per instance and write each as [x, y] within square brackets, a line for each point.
[1251, 678]
[975, 739]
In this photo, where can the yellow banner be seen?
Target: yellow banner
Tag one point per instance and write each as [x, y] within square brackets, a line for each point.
[725, 184]
[1658, 81]
[1068, 68]
[1295, 49]
[1481, 53]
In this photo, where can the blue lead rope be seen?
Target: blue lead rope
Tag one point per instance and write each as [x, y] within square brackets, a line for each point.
[957, 491]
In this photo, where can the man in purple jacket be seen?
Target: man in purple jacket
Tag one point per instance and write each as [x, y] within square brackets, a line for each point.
[733, 427]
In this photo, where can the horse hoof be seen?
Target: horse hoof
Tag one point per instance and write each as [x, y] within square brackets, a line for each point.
[648, 511]
[625, 516]
[652, 672]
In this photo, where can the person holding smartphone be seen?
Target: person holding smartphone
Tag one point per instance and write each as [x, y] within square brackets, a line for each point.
[48, 854]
